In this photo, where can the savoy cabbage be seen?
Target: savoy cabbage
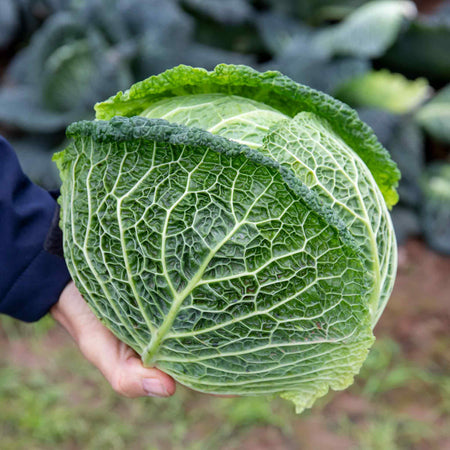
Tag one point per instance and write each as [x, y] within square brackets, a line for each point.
[232, 227]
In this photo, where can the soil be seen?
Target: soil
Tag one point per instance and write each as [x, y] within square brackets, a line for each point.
[420, 302]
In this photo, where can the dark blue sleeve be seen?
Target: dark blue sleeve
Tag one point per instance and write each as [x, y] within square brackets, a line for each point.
[31, 279]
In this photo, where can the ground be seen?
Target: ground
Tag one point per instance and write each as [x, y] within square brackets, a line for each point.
[51, 398]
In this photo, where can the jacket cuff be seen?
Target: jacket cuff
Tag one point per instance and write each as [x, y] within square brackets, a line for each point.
[46, 274]
[31, 279]
[54, 241]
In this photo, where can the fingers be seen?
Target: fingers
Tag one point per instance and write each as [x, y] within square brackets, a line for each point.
[129, 378]
[119, 364]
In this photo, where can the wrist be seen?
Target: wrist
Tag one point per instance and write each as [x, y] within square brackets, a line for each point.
[61, 310]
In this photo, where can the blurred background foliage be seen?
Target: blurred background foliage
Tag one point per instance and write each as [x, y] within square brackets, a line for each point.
[384, 58]
[388, 59]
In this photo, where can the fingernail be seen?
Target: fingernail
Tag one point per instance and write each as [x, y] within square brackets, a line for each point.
[154, 388]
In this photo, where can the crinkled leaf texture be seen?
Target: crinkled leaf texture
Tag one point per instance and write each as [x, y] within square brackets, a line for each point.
[232, 230]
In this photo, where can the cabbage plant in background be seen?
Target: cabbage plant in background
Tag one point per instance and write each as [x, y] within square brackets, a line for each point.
[91, 50]
[232, 227]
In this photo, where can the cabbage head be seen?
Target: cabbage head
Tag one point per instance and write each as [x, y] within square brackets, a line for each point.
[232, 227]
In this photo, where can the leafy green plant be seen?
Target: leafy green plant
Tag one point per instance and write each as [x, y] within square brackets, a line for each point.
[91, 50]
[72, 64]
[328, 56]
[233, 229]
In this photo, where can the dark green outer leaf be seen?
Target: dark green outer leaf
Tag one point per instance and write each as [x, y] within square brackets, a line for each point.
[271, 88]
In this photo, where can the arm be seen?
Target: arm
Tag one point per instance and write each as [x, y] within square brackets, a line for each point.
[31, 279]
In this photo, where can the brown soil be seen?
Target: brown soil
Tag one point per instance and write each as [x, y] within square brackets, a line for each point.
[418, 313]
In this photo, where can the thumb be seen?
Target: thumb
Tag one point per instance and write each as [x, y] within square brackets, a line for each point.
[128, 377]
[121, 365]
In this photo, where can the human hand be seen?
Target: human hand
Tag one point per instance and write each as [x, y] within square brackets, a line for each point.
[119, 364]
